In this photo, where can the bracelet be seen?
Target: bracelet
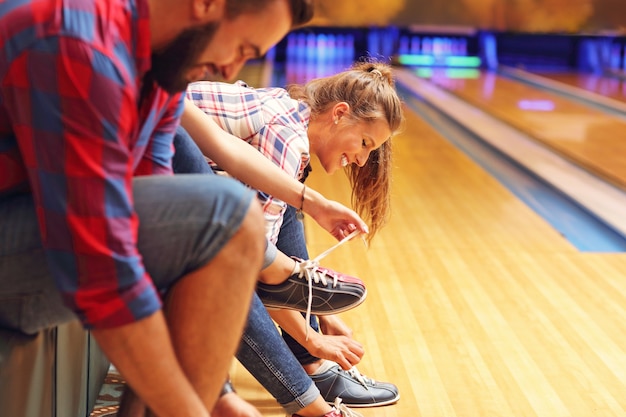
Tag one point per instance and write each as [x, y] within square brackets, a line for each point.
[227, 388]
[302, 198]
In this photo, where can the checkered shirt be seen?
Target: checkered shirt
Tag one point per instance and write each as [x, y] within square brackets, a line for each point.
[73, 132]
[267, 119]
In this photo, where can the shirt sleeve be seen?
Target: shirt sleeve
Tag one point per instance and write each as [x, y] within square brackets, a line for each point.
[157, 159]
[269, 121]
[287, 148]
[73, 111]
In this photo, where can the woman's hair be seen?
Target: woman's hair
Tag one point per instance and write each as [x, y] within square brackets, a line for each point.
[301, 10]
[369, 89]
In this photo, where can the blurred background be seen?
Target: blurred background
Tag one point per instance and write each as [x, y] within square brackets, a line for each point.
[456, 39]
[553, 71]
[497, 288]
[509, 15]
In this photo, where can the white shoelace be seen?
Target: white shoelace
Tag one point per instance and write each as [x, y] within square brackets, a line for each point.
[309, 270]
[345, 411]
[353, 373]
[342, 409]
[363, 380]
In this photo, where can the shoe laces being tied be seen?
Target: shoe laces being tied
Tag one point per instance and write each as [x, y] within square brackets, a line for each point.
[310, 270]
[363, 380]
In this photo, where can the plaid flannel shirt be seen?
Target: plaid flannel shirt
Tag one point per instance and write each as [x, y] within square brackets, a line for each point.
[72, 133]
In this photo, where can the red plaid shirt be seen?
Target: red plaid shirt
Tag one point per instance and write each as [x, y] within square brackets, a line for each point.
[73, 134]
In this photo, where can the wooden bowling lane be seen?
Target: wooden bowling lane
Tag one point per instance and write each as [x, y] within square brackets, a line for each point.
[589, 137]
[605, 85]
[476, 306]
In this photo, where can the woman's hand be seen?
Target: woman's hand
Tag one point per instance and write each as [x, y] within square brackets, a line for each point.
[346, 353]
[334, 217]
[332, 325]
[343, 350]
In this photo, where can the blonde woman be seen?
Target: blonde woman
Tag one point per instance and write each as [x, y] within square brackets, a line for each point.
[346, 121]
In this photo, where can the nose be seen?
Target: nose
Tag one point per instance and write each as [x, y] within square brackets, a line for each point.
[361, 158]
[231, 71]
[196, 74]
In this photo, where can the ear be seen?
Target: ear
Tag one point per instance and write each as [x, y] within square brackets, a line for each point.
[207, 11]
[340, 109]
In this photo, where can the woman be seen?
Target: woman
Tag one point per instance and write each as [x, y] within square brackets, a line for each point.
[346, 120]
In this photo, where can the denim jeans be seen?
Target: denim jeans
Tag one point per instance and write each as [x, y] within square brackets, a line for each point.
[262, 351]
[188, 159]
[291, 242]
[187, 217]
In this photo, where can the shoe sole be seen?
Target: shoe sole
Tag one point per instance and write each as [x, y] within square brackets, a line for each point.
[380, 404]
[269, 306]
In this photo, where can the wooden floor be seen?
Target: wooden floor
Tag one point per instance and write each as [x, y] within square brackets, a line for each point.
[586, 136]
[476, 306]
[605, 85]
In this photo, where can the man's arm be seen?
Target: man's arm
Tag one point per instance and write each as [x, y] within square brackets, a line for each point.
[74, 136]
[157, 158]
[143, 353]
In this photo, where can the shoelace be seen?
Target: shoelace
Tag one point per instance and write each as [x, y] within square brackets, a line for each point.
[363, 380]
[345, 411]
[309, 270]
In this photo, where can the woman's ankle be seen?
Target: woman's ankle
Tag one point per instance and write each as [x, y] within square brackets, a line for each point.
[278, 271]
[317, 408]
[311, 368]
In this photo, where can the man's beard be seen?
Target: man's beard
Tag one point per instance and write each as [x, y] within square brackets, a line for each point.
[170, 65]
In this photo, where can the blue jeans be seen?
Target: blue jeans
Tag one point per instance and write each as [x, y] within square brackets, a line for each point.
[262, 351]
[188, 159]
[291, 241]
[188, 217]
